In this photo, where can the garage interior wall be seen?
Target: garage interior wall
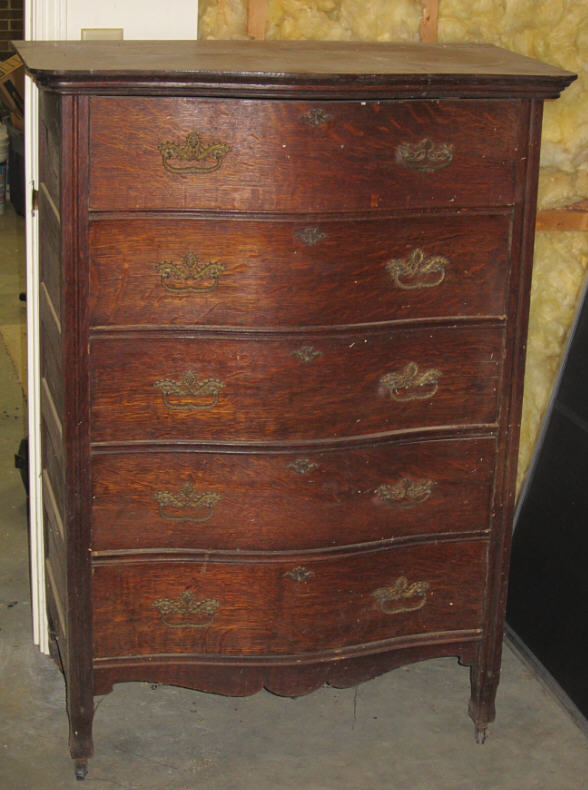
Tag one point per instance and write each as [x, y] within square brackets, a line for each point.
[140, 19]
[555, 31]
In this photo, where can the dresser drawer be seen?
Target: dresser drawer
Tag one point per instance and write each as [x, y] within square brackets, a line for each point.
[290, 501]
[248, 387]
[288, 606]
[265, 155]
[279, 273]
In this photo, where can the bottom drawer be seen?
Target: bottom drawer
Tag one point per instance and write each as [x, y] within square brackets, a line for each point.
[305, 604]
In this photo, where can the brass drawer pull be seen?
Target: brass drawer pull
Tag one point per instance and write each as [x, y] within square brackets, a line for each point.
[426, 156]
[186, 498]
[199, 157]
[306, 354]
[406, 492]
[299, 574]
[189, 276]
[186, 611]
[188, 390]
[401, 596]
[310, 236]
[411, 384]
[417, 271]
[316, 117]
[302, 466]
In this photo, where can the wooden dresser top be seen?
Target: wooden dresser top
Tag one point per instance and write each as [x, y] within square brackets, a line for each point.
[282, 67]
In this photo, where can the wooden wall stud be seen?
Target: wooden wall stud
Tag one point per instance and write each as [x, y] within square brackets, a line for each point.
[256, 16]
[429, 22]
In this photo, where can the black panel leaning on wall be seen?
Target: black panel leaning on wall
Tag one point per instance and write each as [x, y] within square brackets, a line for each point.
[548, 597]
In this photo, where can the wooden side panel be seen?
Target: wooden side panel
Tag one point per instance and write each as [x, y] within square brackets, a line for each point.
[50, 249]
[52, 369]
[52, 351]
[54, 465]
[50, 162]
[486, 672]
[56, 610]
[63, 144]
[75, 350]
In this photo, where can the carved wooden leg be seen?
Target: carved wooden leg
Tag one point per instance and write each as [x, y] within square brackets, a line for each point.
[81, 715]
[81, 767]
[484, 683]
[81, 747]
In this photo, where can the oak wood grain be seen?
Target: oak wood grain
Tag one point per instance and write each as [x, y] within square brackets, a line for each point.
[265, 392]
[324, 499]
[262, 610]
[277, 161]
[308, 272]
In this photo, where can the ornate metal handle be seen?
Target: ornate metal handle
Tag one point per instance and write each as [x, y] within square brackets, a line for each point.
[426, 156]
[417, 271]
[401, 596]
[186, 611]
[406, 492]
[411, 384]
[316, 117]
[189, 276]
[189, 387]
[299, 574]
[186, 498]
[199, 157]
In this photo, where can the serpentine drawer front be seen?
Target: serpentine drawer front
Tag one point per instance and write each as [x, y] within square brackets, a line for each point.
[384, 491]
[255, 387]
[283, 316]
[247, 155]
[223, 608]
[247, 272]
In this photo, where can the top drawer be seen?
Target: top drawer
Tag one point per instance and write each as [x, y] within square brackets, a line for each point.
[265, 155]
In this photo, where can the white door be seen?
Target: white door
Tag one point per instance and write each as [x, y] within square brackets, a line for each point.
[60, 20]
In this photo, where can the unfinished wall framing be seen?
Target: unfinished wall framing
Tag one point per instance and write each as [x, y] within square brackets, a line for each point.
[555, 31]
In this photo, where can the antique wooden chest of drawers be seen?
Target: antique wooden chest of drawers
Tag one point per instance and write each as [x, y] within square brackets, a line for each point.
[284, 293]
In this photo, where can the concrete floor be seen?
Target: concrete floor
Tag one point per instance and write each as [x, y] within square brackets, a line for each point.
[406, 730]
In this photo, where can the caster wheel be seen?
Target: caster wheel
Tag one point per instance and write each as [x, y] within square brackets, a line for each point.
[480, 734]
[81, 769]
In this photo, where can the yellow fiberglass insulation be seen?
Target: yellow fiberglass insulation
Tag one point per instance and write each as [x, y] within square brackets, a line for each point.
[561, 263]
[555, 31]
[320, 20]
[222, 19]
[377, 20]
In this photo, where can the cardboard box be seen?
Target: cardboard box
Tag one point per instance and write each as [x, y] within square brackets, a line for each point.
[12, 85]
